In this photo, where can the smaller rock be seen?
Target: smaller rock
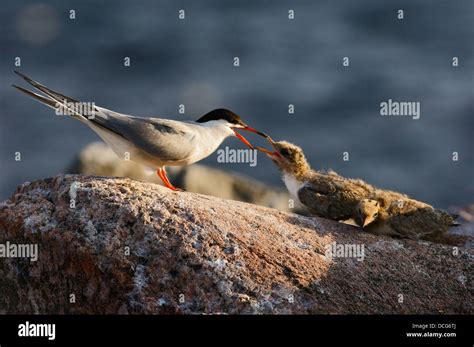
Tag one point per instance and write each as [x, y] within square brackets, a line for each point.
[99, 160]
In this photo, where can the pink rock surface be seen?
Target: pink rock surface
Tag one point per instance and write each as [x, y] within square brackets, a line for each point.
[132, 247]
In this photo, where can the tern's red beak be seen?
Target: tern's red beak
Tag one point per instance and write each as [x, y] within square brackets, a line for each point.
[243, 139]
[252, 130]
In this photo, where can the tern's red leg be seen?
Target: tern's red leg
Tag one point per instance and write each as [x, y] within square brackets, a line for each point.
[162, 174]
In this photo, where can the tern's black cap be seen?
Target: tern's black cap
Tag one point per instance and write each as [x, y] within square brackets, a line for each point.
[221, 113]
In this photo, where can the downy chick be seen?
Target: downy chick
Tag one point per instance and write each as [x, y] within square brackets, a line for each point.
[404, 218]
[328, 195]
[325, 194]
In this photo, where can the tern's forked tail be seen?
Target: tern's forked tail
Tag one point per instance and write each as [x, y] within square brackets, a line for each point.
[62, 104]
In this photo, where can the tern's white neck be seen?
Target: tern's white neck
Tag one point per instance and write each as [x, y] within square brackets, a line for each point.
[208, 137]
[292, 184]
[214, 132]
[220, 128]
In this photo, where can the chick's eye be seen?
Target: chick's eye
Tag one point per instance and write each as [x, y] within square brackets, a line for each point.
[284, 152]
[376, 215]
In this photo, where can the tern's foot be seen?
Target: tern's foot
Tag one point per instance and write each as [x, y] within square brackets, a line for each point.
[162, 174]
[173, 188]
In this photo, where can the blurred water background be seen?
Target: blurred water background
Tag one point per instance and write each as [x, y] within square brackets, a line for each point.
[282, 62]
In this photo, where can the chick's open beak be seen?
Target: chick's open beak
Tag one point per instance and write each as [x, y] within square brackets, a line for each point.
[361, 221]
[271, 154]
[268, 152]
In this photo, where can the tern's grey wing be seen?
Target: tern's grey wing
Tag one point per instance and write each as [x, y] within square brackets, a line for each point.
[165, 139]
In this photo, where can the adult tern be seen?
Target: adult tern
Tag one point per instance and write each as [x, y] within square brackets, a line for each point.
[153, 142]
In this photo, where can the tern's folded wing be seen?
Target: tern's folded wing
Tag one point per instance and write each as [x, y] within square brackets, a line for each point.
[167, 140]
[164, 139]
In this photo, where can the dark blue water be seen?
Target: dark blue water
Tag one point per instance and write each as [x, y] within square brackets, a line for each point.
[282, 62]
